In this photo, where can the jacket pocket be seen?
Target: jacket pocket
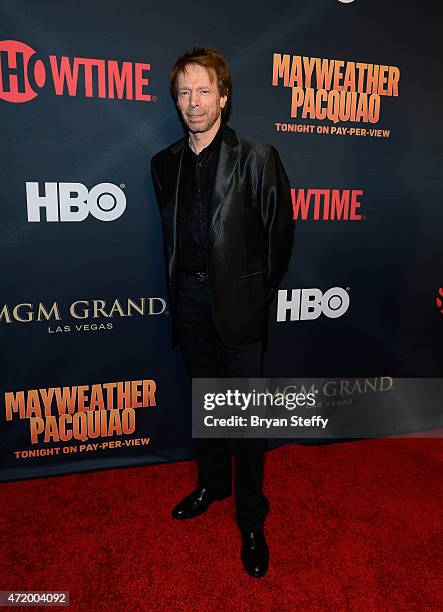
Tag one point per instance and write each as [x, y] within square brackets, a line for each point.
[254, 274]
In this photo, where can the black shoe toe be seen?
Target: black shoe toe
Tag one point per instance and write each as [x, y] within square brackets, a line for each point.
[195, 503]
[255, 553]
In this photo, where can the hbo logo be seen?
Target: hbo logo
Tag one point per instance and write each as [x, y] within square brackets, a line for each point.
[73, 202]
[305, 304]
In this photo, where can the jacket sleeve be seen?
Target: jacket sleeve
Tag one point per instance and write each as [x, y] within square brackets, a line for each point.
[277, 216]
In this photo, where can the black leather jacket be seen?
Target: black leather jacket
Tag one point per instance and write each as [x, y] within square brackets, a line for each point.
[250, 231]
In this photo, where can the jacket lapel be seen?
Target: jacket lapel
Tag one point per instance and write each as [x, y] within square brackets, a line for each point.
[229, 154]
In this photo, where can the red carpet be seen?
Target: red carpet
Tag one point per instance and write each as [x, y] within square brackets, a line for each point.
[354, 526]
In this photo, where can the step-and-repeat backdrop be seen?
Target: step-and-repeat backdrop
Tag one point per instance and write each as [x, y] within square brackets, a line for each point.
[347, 92]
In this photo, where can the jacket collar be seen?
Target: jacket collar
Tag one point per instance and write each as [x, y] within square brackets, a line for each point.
[228, 137]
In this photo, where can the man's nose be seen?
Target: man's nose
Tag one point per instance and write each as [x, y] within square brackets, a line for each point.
[194, 99]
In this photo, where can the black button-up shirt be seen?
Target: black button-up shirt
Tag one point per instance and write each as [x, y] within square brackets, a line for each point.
[196, 183]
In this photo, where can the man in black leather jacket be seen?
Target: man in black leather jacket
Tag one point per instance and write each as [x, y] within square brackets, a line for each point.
[227, 223]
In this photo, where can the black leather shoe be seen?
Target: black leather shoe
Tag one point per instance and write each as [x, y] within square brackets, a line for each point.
[195, 504]
[255, 553]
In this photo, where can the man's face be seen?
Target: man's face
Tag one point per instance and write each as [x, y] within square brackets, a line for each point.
[198, 98]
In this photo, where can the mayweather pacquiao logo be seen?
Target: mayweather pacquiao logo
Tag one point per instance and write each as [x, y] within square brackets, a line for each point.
[23, 74]
[340, 91]
[83, 412]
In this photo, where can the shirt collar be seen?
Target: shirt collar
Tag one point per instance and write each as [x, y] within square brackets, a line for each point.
[212, 146]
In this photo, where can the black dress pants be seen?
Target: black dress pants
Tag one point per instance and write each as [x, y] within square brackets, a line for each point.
[206, 356]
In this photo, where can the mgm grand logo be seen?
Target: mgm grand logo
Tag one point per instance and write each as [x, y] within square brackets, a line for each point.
[337, 392]
[86, 315]
[340, 392]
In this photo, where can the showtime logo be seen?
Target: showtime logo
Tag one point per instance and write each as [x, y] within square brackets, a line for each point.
[23, 74]
[73, 202]
[326, 204]
[308, 304]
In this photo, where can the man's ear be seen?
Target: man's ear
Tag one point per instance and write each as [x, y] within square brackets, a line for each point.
[223, 101]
